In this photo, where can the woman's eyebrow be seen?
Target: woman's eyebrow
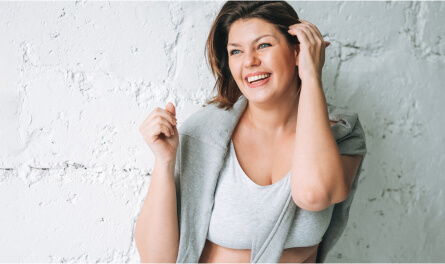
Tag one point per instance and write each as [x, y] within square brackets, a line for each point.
[255, 40]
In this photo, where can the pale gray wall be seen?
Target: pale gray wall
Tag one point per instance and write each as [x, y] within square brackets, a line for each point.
[78, 78]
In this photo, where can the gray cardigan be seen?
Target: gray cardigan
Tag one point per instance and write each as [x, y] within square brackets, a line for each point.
[203, 144]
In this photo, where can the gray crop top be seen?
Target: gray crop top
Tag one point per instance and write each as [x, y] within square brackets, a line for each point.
[241, 205]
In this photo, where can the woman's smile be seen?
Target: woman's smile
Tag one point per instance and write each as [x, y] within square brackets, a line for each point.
[256, 79]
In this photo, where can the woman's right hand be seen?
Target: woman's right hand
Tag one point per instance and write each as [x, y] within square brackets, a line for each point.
[160, 133]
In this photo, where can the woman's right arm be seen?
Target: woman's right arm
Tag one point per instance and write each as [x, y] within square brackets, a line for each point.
[157, 232]
[157, 229]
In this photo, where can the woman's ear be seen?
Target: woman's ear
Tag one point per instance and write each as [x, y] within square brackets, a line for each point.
[296, 53]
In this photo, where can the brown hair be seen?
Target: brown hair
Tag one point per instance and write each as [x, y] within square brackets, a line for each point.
[279, 13]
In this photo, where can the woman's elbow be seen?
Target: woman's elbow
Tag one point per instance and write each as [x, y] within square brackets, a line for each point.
[313, 201]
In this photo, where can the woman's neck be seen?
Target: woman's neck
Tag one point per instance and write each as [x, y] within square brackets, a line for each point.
[275, 119]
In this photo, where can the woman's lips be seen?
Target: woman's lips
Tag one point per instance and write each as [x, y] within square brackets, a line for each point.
[262, 82]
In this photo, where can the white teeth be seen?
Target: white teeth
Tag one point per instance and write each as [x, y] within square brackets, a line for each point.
[257, 77]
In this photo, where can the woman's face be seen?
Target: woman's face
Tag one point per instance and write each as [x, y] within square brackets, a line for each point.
[256, 49]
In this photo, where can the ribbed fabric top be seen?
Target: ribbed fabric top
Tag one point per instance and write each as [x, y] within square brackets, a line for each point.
[241, 205]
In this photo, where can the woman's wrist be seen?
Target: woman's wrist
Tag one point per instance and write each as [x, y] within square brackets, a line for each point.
[311, 82]
[167, 165]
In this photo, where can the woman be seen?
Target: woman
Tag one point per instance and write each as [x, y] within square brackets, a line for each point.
[267, 179]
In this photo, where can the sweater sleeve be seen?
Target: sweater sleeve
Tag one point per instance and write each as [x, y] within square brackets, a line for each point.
[348, 131]
[353, 143]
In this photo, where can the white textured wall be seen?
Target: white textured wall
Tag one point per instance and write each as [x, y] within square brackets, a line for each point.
[78, 78]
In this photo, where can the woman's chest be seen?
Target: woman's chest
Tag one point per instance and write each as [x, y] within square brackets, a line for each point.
[264, 161]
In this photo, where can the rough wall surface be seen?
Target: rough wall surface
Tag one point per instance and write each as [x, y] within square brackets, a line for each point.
[78, 78]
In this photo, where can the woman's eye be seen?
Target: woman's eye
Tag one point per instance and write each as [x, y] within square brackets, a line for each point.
[264, 45]
[233, 52]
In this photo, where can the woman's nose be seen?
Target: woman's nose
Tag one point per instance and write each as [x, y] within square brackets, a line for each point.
[251, 59]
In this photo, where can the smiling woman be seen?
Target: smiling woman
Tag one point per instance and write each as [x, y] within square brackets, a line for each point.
[271, 177]
[257, 48]
[278, 16]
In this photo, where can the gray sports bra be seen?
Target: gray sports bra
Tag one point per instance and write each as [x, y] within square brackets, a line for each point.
[241, 205]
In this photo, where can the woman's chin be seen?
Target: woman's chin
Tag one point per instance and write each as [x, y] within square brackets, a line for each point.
[258, 97]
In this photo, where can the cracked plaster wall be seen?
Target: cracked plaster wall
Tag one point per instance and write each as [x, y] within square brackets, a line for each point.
[77, 79]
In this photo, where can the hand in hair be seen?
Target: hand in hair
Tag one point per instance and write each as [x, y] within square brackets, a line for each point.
[311, 50]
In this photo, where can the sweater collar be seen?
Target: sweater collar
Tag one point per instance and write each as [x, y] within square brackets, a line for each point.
[216, 124]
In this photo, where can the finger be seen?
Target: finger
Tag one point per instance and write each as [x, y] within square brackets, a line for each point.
[311, 31]
[159, 129]
[301, 36]
[327, 43]
[151, 130]
[175, 130]
[154, 122]
[313, 28]
[311, 36]
[168, 115]
[167, 130]
[316, 33]
[171, 108]
[154, 125]
[165, 122]
[159, 112]
[318, 38]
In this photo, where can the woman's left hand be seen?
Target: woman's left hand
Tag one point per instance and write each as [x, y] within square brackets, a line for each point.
[312, 50]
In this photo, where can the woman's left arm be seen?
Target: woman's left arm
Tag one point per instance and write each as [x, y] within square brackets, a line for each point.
[320, 175]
